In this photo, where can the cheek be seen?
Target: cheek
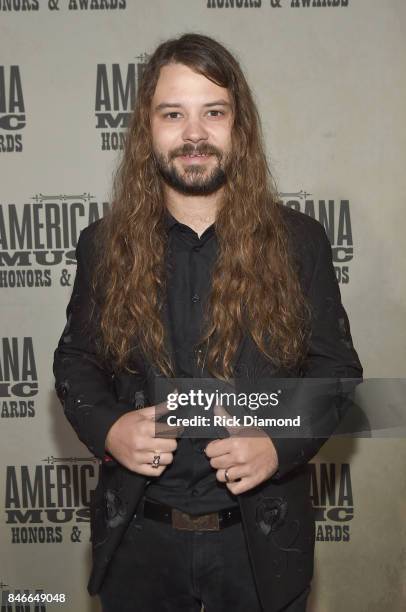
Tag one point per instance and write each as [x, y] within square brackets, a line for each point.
[163, 140]
[223, 137]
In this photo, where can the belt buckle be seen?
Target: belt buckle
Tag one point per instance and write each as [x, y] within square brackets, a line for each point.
[200, 522]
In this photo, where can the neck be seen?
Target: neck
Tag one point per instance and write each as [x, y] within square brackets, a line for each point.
[198, 212]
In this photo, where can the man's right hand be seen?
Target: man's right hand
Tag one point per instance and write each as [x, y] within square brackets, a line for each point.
[132, 440]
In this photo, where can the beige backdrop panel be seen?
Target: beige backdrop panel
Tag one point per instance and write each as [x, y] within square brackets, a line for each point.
[330, 85]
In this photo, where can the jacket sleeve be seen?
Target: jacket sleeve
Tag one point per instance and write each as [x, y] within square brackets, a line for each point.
[331, 356]
[83, 384]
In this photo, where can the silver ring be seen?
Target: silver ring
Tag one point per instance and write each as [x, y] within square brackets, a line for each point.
[156, 461]
[226, 476]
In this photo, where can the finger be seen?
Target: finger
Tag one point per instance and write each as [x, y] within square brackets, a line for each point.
[163, 445]
[148, 470]
[162, 430]
[149, 412]
[222, 461]
[157, 410]
[150, 429]
[169, 405]
[147, 457]
[216, 448]
[234, 473]
[148, 442]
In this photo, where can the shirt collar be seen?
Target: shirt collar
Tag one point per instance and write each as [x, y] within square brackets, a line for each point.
[169, 220]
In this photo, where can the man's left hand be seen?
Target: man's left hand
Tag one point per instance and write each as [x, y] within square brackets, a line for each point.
[248, 459]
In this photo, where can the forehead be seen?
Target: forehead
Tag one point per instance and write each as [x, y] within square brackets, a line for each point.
[178, 83]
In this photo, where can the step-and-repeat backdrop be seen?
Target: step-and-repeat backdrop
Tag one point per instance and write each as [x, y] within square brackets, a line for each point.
[329, 80]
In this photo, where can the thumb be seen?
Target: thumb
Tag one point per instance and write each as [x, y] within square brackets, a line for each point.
[155, 411]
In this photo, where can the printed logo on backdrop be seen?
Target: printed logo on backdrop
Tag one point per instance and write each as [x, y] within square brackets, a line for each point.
[18, 378]
[332, 498]
[116, 90]
[276, 3]
[49, 503]
[24, 6]
[19, 599]
[97, 5]
[54, 5]
[12, 110]
[233, 3]
[335, 216]
[38, 240]
[318, 3]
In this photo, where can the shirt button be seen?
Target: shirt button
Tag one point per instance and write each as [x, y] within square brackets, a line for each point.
[195, 298]
[195, 492]
[196, 249]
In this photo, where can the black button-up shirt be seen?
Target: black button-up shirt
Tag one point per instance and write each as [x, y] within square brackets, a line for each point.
[189, 483]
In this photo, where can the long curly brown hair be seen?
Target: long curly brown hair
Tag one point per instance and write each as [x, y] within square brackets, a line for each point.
[255, 287]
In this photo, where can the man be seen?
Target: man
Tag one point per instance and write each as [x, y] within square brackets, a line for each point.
[199, 272]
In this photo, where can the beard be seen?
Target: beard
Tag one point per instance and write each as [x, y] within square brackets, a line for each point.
[193, 179]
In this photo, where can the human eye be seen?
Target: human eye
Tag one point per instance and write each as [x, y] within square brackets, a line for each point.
[170, 115]
[219, 112]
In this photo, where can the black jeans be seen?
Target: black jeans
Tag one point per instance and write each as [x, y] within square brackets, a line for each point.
[158, 568]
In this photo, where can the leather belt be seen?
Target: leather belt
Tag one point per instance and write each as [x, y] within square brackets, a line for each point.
[214, 521]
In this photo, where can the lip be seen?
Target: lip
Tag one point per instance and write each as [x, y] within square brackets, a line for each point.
[195, 159]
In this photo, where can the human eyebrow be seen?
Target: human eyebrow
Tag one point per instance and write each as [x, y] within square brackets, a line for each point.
[217, 103]
[164, 105]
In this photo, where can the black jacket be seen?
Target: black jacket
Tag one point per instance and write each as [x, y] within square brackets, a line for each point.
[277, 515]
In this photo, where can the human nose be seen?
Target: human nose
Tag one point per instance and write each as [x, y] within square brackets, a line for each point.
[194, 130]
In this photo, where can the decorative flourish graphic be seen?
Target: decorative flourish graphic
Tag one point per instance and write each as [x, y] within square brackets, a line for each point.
[64, 197]
[53, 460]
